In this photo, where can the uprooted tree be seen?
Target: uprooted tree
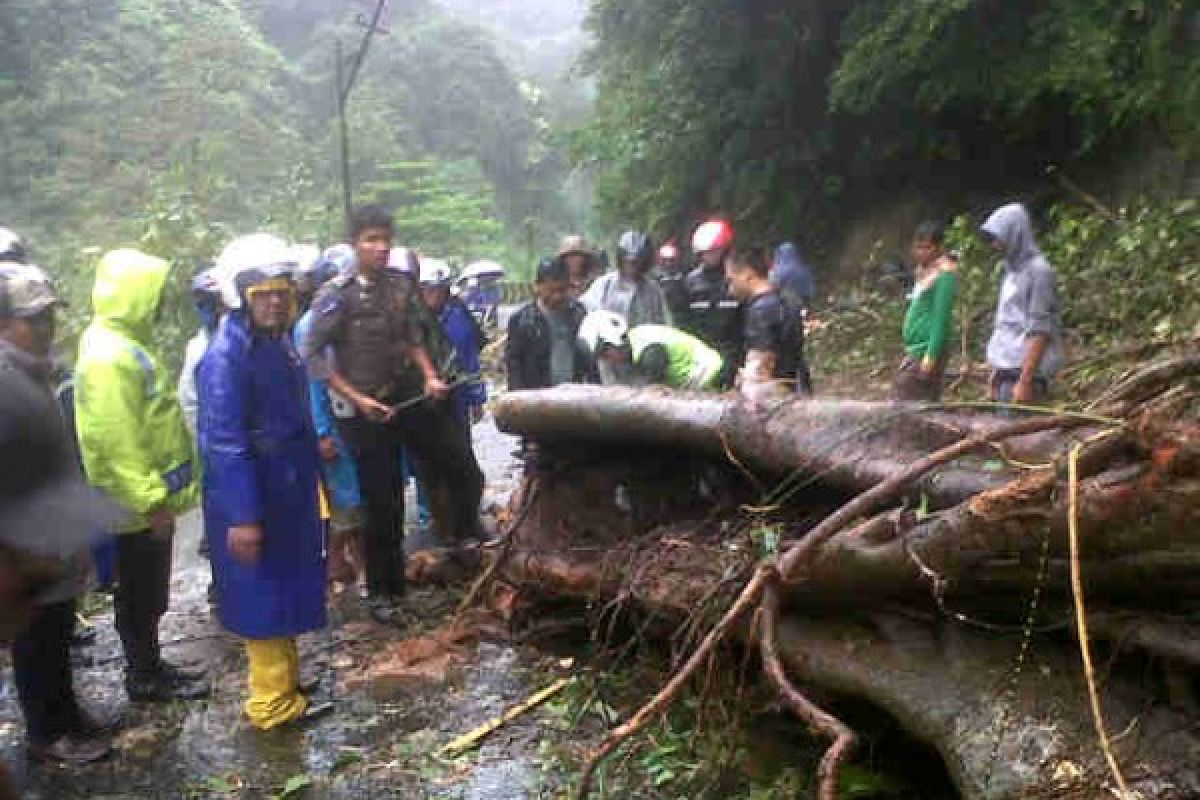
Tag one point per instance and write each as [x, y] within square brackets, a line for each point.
[949, 565]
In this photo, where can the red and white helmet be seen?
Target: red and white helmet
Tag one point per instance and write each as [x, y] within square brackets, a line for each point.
[716, 234]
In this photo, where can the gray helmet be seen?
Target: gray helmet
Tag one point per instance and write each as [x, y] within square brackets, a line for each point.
[635, 246]
[25, 290]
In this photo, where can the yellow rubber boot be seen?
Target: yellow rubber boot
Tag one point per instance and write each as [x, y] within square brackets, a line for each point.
[274, 673]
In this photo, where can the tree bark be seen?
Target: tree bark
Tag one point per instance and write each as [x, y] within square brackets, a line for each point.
[847, 447]
[924, 613]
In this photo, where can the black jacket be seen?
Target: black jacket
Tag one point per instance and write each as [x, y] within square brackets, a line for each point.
[527, 353]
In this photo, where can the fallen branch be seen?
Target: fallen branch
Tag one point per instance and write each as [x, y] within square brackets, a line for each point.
[870, 501]
[1085, 648]
[665, 696]
[474, 737]
[472, 596]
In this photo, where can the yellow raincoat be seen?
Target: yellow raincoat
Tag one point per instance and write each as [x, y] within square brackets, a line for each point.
[132, 437]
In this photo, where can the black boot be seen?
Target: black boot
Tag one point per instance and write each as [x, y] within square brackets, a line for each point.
[162, 686]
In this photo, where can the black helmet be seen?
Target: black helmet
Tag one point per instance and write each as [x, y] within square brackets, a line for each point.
[635, 246]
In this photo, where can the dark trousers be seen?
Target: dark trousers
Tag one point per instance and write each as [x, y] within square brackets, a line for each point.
[443, 464]
[143, 587]
[41, 658]
[911, 385]
[1004, 384]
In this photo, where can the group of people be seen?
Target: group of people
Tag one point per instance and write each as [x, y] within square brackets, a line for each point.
[316, 384]
[319, 381]
[736, 319]
[1025, 348]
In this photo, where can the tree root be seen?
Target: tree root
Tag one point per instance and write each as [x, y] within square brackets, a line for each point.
[509, 537]
[785, 569]
[820, 722]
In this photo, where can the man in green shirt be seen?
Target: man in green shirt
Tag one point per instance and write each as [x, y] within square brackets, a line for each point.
[930, 318]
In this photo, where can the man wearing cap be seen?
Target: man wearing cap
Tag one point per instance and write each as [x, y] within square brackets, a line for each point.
[38, 456]
[135, 448]
[582, 264]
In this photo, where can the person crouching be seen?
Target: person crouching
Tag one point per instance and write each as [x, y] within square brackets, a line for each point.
[260, 483]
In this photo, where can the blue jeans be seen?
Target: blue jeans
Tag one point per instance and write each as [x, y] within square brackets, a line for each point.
[1004, 382]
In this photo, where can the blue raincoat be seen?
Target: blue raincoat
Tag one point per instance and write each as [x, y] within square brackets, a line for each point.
[341, 476]
[463, 332]
[260, 457]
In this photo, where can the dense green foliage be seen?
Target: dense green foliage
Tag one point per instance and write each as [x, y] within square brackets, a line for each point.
[1126, 282]
[797, 115]
[176, 124]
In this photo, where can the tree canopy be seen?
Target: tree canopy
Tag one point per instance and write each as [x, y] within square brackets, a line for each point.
[112, 110]
[780, 112]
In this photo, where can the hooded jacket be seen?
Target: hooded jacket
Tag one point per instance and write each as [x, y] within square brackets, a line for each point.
[1028, 303]
[792, 275]
[132, 438]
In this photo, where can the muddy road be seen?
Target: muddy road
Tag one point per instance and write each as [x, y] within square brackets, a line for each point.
[376, 744]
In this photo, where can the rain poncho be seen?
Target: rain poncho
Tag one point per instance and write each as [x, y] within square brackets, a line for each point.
[465, 338]
[132, 437]
[260, 454]
[792, 275]
[1028, 302]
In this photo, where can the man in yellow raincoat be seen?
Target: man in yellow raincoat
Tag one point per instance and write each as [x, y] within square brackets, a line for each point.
[135, 447]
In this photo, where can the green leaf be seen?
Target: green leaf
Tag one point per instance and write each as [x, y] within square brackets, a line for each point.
[295, 785]
[344, 759]
[219, 785]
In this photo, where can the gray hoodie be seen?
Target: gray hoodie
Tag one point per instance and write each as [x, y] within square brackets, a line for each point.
[1028, 302]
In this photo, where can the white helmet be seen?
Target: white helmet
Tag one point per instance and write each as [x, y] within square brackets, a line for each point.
[248, 260]
[603, 329]
[305, 256]
[12, 249]
[403, 260]
[436, 272]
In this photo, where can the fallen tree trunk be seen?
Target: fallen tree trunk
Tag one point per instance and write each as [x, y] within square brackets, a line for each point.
[1134, 552]
[845, 446]
[864, 604]
[1001, 736]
